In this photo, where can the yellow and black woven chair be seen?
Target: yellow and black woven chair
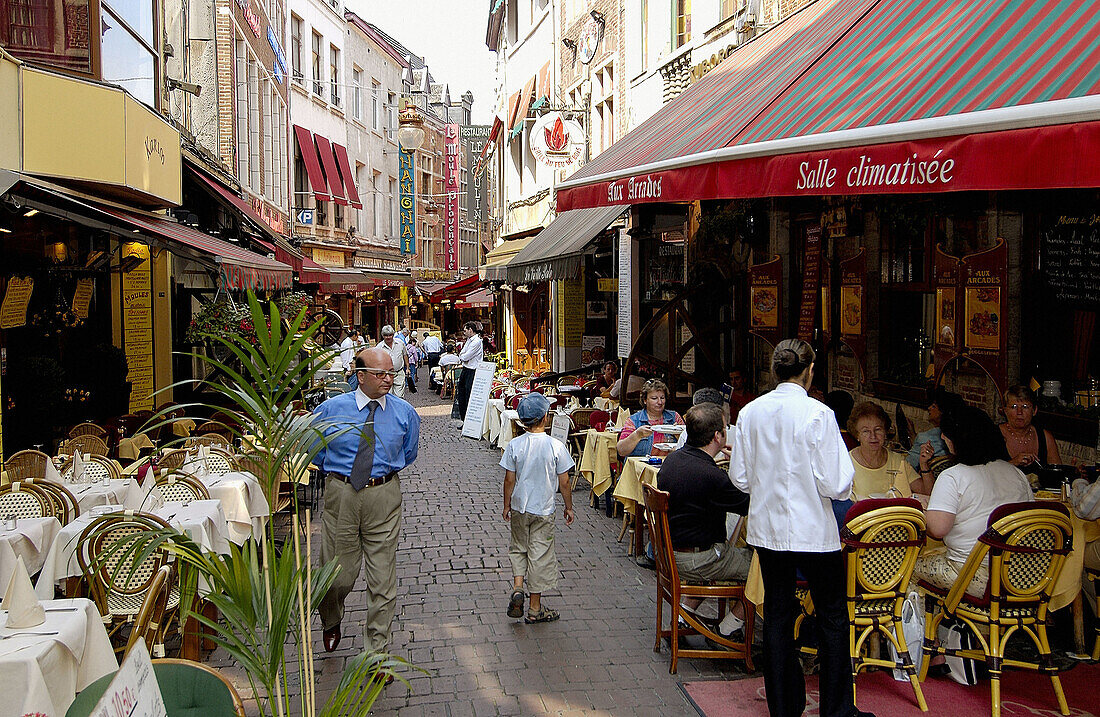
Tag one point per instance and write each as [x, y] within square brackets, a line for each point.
[25, 500]
[1026, 545]
[23, 465]
[670, 589]
[220, 461]
[117, 582]
[177, 487]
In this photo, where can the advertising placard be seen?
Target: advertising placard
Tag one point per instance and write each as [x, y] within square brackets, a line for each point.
[625, 337]
[853, 274]
[479, 399]
[82, 297]
[17, 298]
[764, 299]
[811, 280]
[475, 136]
[137, 325]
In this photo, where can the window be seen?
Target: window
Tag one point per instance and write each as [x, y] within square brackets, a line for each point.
[356, 93]
[254, 126]
[337, 215]
[603, 108]
[643, 14]
[240, 63]
[392, 209]
[375, 105]
[377, 204]
[391, 115]
[318, 88]
[269, 141]
[681, 24]
[726, 8]
[296, 46]
[127, 57]
[279, 148]
[334, 73]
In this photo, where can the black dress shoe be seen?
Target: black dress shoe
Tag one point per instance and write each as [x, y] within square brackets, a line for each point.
[331, 638]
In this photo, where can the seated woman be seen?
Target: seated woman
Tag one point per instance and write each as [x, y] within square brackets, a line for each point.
[636, 437]
[879, 470]
[966, 494]
[608, 375]
[942, 402]
[1027, 443]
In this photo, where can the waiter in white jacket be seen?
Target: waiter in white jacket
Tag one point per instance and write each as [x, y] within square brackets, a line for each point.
[789, 457]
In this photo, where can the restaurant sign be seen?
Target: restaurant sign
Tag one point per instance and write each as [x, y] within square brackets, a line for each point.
[475, 136]
[764, 299]
[407, 184]
[557, 141]
[452, 185]
[811, 280]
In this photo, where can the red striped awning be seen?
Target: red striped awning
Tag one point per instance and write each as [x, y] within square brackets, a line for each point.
[480, 299]
[312, 272]
[312, 161]
[238, 268]
[524, 103]
[873, 97]
[332, 174]
[347, 174]
[462, 287]
[490, 143]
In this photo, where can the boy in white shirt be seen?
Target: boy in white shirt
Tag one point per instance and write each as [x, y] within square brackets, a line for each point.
[532, 462]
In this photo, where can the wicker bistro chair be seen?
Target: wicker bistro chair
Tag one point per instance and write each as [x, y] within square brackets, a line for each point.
[150, 617]
[85, 444]
[26, 464]
[215, 427]
[97, 466]
[181, 487]
[64, 505]
[88, 429]
[880, 540]
[670, 589]
[220, 462]
[208, 439]
[257, 465]
[25, 500]
[118, 585]
[173, 460]
[186, 687]
[1026, 545]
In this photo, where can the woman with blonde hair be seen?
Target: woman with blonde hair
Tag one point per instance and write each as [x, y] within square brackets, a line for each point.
[880, 471]
[637, 437]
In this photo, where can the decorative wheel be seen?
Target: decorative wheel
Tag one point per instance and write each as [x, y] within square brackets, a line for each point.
[331, 326]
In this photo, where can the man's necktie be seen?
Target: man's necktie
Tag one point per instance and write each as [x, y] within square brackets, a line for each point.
[364, 458]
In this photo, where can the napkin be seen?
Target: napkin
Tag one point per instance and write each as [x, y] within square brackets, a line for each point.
[78, 467]
[51, 472]
[22, 605]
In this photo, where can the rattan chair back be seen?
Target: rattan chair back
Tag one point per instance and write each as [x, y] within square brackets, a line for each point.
[177, 487]
[24, 500]
[150, 617]
[107, 558]
[65, 507]
[208, 439]
[173, 460]
[87, 429]
[23, 465]
[88, 444]
[96, 468]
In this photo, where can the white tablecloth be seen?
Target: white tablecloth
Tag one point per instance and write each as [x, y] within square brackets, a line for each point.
[243, 503]
[202, 520]
[30, 540]
[125, 492]
[490, 425]
[507, 428]
[43, 673]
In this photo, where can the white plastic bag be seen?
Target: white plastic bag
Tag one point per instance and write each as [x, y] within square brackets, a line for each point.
[912, 626]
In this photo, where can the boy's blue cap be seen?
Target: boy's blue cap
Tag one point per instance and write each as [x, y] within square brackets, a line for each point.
[532, 406]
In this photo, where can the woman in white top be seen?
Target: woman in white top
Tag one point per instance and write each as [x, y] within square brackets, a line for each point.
[472, 353]
[788, 455]
[966, 494]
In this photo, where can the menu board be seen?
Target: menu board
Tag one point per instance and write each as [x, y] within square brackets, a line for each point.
[764, 307]
[571, 312]
[625, 339]
[17, 298]
[1070, 258]
[479, 399]
[811, 280]
[82, 297]
[137, 323]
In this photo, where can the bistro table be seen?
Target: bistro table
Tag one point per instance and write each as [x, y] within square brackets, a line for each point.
[596, 459]
[31, 540]
[42, 672]
[130, 449]
[490, 424]
[243, 501]
[507, 428]
[125, 492]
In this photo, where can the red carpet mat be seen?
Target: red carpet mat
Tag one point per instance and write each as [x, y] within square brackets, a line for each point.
[1022, 693]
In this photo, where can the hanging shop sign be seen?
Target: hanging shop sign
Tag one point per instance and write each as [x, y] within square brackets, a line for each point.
[280, 65]
[607, 286]
[589, 41]
[407, 188]
[853, 275]
[137, 325]
[475, 136]
[82, 297]
[328, 257]
[452, 185]
[556, 141]
[811, 281]
[17, 298]
[764, 299]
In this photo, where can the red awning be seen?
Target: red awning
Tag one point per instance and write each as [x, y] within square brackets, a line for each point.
[240, 268]
[347, 174]
[313, 165]
[524, 103]
[312, 272]
[332, 174]
[480, 299]
[975, 96]
[490, 143]
[462, 287]
[346, 281]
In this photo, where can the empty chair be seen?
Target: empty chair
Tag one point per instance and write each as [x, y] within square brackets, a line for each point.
[26, 464]
[88, 429]
[173, 460]
[208, 439]
[180, 488]
[65, 506]
[88, 444]
[24, 500]
[186, 687]
[96, 468]
[150, 618]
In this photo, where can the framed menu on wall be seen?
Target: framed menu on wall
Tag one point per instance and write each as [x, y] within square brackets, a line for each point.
[765, 300]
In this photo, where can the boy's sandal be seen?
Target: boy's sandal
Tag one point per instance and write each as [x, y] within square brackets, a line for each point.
[544, 614]
[515, 605]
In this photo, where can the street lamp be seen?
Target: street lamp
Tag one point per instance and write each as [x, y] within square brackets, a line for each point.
[410, 131]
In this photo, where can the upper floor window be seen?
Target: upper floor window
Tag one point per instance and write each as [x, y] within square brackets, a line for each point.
[681, 25]
[356, 93]
[334, 73]
[375, 105]
[127, 54]
[318, 88]
[296, 46]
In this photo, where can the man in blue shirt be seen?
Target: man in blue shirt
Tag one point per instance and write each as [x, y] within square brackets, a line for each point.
[362, 514]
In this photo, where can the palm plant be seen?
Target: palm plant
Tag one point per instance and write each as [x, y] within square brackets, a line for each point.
[267, 590]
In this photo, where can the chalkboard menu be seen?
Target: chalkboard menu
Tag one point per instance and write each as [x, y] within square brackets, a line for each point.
[1070, 258]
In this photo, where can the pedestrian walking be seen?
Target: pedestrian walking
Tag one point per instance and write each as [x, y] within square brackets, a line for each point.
[472, 354]
[535, 464]
[788, 455]
[414, 361]
[362, 512]
[395, 347]
[433, 347]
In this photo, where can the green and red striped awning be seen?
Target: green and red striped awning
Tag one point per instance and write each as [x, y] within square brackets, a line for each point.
[875, 96]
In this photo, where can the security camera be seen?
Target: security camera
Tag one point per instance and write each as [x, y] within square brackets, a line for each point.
[189, 87]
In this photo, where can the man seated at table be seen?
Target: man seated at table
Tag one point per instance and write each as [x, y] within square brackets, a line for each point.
[1084, 497]
[438, 375]
[700, 495]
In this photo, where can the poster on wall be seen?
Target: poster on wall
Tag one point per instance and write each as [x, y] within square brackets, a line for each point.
[137, 324]
[764, 299]
[17, 297]
[625, 338]
[851, 310]
[983, 317]
[945, 316]
[853, 274]
[946, 270]
[985, 342]
[826, 313]
[82, 297]
[596, 309]
[593, 349]
[571, 311]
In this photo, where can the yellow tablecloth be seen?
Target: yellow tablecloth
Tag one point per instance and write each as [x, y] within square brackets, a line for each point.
[183, 427]
[1069, 582]
[599, 449]
[129, 449]
[628, 490]
[605, 404]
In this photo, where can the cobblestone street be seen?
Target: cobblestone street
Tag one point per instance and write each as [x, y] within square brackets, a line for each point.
[454, 582]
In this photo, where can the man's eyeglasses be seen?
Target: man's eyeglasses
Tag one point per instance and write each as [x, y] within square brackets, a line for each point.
[379, 373]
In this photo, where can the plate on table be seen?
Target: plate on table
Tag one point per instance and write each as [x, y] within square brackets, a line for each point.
[670, 447]
[668, 428]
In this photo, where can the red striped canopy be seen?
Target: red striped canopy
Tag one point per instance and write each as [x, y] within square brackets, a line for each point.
[1006, 90]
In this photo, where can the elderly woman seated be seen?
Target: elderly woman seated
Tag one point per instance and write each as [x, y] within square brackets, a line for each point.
[965, 495]
[880, 472]
[1027, 443]
[637, 437]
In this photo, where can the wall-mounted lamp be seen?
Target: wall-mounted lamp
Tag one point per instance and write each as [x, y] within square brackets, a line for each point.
[571, 44]
[189, 87]
[597, 16]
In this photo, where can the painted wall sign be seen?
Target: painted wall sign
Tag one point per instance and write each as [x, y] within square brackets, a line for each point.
[452, 186]
[407, 188]
[589, 41]
[82, 297]
[557, 141]
[17, 298]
